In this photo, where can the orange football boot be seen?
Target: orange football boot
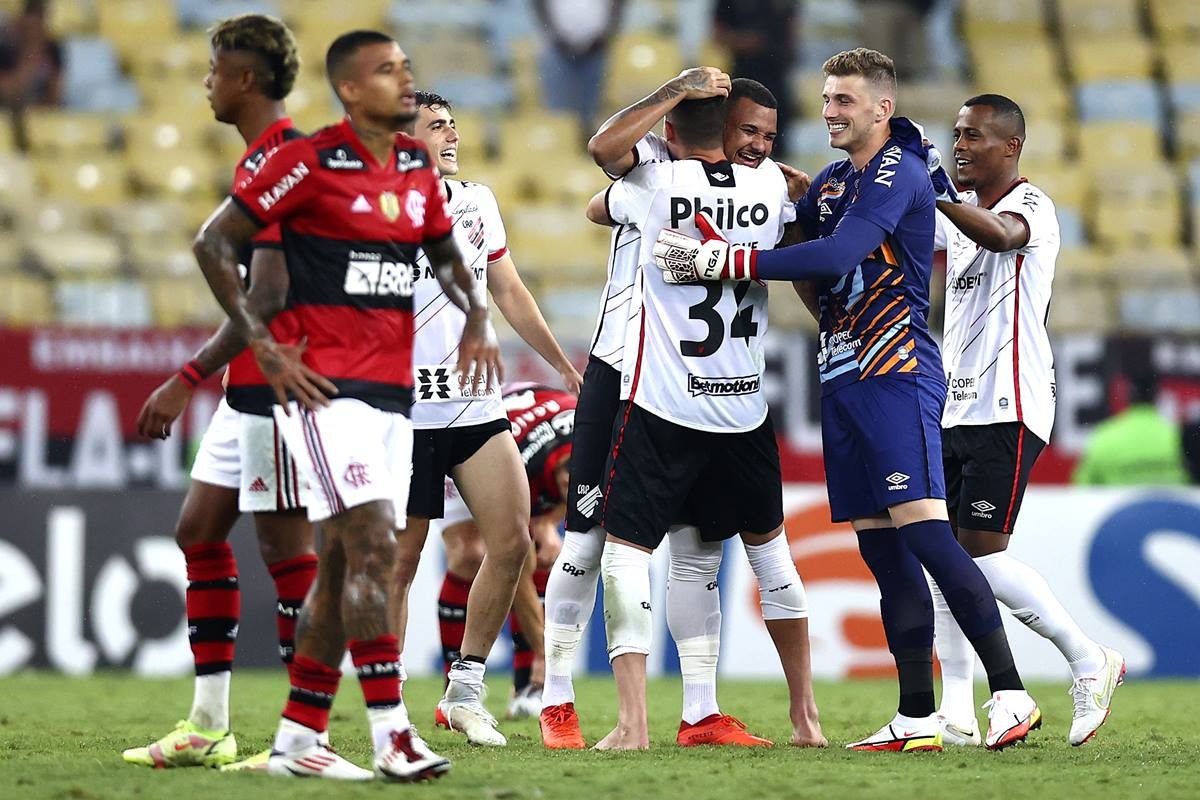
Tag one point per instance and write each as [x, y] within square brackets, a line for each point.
[560, 728]
[719, 729]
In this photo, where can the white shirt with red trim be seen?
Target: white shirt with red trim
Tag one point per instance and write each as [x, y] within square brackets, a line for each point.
[996, 352]
[438, 324]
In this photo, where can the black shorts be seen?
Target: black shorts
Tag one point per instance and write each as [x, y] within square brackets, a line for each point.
[599, 400]
[987, 468]
[660, 474]
[436, 451]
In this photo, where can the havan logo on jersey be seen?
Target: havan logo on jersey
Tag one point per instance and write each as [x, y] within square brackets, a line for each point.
[369, 274]
[284, 185]
[724, 212]
[891, 157]
[722, 387]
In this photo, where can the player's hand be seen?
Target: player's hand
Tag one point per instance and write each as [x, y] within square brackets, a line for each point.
[163, 407]
[686, 259]
[798, 181]
[572, 380]
[479, 352]
[698, 83]
[913, 134]
[288, 375]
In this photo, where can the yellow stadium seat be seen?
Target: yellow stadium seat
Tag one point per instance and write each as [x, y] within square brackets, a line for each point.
[1105, 145]
[11, 250]
[76, 253]
[150, 220]
[25, 300]
[69, 131]
[90, 182]
[70, 19]
[550, 238]
[1176, 20]
[1083, 18]
[1066, 185]
[17, 179]
[1000, 57]
[530, 137]
[129, 24]
[1016, 18]
[1047, 140]
[1088, 308]
[46, 218]
[1152, 185]
[1080, 265]
[333, 18]
[1187, 136]
[1118, 57]
[163, 258]
[183, 301]
[181, 97]
[159, 133]
[1118, 225]
[1181, 62]
[638, 64]
[441, 56]
[1160, 267]
[181, 57]
[184, 174]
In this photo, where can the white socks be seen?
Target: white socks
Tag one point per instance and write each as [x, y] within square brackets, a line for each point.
[627, 619]
[465, 679]
[1028, 596]
[780, 592]
[694, 618]
[384, 721]
[210, 701]
[957, 659]
[570, 598]
[291, 737]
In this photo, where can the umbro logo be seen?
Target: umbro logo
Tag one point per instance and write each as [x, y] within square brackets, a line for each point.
[898, 481]
[259, 485]
[982, 508]
[721, 176]
[587, 504]
[361, 205]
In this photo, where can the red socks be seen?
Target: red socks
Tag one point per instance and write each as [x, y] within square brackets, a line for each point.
[293, 577]
[377, 662]
[214, 605]
[314, 686]
[452, 617]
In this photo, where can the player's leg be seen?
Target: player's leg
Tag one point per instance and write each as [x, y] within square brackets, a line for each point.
[464, 556]
[625, 570]
[426, 499]
[527, 622]
[571, 586]
[355, 457]
[994, 485]
[213, 603]
[956, 657]
[493, 485]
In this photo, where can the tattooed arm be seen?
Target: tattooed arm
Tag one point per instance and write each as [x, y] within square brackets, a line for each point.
[612, 146]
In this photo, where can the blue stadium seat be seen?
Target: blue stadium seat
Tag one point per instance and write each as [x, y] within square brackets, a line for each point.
[204, 13]
[1109, 101]
[118, 303]
[1072, 232]
[1184, 96]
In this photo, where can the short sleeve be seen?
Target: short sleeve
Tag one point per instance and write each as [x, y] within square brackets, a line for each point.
[438, 222]
[282, 186]
[628, 199]
[270, 236]
[649, 149]
[891, 186]
[493, 226]
[1030, 205]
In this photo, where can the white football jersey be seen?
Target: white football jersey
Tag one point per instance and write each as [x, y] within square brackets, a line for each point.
[439, 402]
[996, 352]
[698, 349]
[608, 339]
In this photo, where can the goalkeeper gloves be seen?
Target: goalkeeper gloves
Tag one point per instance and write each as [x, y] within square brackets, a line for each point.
[686, 259]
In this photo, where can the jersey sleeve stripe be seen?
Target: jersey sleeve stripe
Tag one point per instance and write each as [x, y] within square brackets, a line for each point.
[496, 256]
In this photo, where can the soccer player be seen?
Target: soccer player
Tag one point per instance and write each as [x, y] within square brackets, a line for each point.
[355, 201]
[542, 422]
[1002, 240]
[694, 435]
[883, 390]
[242, 465]
[462, 431]
[693, 600]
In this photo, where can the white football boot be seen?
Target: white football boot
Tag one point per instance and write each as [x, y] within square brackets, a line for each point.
[1012, 714]
[526, 703]
[463, 710]
[923, 734]
[407, 759]
[960, 735]
[1093, 697]
[315, 761]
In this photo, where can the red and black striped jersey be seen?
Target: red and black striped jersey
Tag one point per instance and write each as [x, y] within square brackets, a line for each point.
[246, 389]
[351, 228]
[543, 421]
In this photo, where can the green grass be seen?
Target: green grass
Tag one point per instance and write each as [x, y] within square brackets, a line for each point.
[62, 738]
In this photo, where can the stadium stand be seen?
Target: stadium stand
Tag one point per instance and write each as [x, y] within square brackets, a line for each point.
[102, 196]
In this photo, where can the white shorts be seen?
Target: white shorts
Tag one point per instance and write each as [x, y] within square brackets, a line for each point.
[348, 454]
[270, 480]
[218, 461]
[456, 510]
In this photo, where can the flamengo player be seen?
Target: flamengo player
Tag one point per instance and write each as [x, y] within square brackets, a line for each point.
[355, 201]
[1002, 241]
[694, 437]
[542, 422]
[693, 600]
[253, 67]
[882, 388]
[462, 431]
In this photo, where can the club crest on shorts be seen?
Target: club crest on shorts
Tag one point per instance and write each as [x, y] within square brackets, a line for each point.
[389, 204]
[356, 474]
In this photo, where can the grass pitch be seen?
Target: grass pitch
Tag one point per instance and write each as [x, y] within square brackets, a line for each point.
[62, 738]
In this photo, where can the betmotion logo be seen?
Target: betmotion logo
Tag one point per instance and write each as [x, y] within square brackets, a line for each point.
[723, 387]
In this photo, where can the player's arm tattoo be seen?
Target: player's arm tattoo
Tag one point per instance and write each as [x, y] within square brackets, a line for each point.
[266, 297]
[793, 233]
[216, 248]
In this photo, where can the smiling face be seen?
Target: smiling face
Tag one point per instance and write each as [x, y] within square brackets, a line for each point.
[435, 127]
[984, 143]
[379, 84]
[750, 132]
[853, 111]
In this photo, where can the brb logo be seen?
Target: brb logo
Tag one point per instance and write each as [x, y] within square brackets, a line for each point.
[1139, 570]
